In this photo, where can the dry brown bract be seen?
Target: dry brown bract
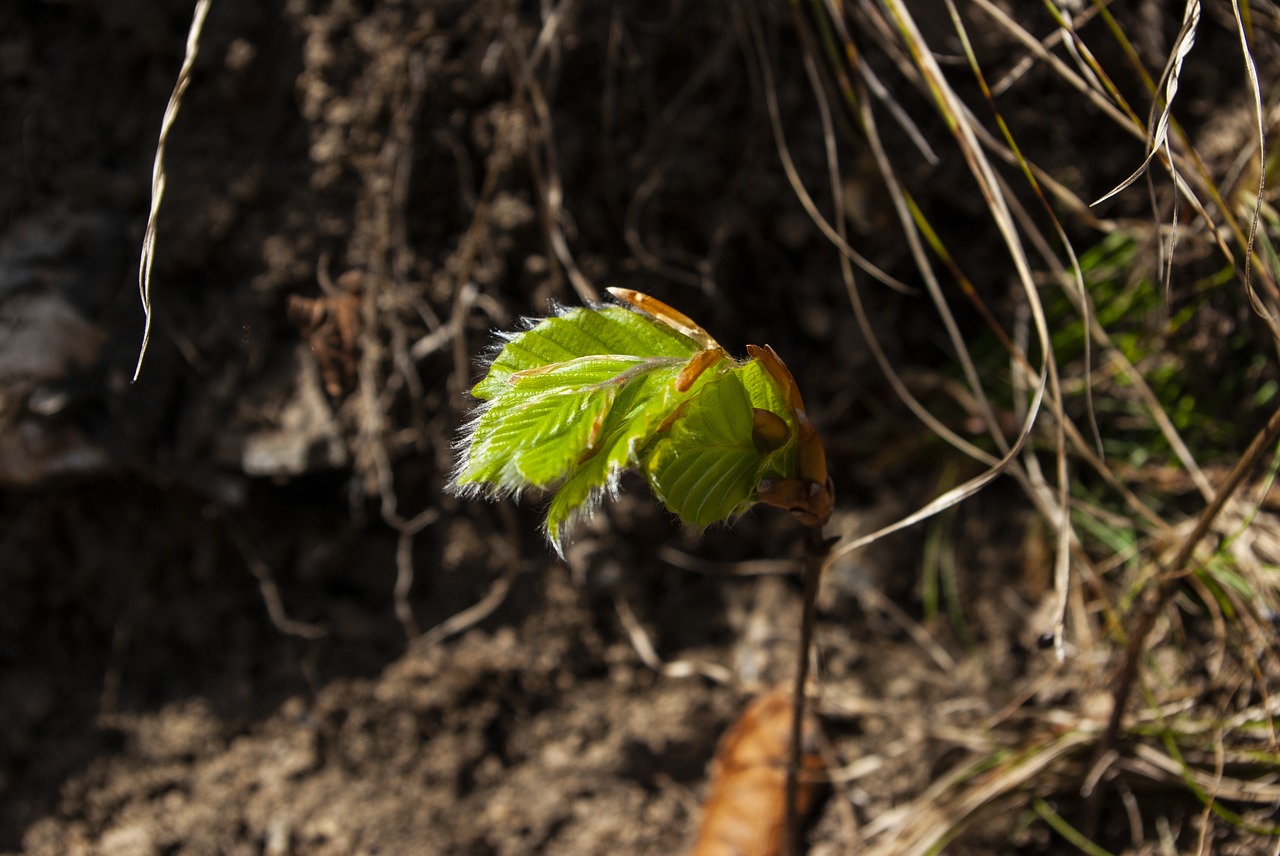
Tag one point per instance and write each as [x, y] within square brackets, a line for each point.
[745, 811]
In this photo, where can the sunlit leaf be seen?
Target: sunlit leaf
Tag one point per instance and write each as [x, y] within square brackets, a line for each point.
[581, 333]
[635, 417]
[570, 403]
[706, 467]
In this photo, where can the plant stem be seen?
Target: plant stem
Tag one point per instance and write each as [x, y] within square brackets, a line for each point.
[816, 550]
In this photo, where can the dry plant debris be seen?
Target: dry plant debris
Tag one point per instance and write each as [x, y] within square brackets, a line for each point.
[745, 811]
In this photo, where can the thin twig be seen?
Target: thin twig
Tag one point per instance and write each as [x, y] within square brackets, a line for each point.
[547, 173]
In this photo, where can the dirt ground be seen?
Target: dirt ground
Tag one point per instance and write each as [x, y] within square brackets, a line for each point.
[238, 612]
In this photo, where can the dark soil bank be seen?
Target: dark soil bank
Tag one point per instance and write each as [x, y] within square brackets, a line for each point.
[238, 612]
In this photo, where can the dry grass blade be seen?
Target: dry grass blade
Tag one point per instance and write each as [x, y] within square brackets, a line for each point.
[1265, 308]
[835, 18]
[1121, 115]
[1025, 64]
[937, 814]
[1234, 789]
[1158, 125]
[1112, 104]
[951, 106]
[904, 208]
[158, 176]
[832, 233]
[1255, 92]
[1077, 277]
[949, 499]
[1062, 561]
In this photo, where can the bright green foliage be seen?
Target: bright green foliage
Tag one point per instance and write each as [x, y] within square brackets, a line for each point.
[706, 467]
[582, 396]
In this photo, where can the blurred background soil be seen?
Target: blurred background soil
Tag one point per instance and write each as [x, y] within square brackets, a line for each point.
[238, 613]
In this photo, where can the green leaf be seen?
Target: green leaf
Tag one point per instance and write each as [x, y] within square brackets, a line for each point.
[706, 466]
[570, 403]
[582, 333]
[634, 419]
[537, 428]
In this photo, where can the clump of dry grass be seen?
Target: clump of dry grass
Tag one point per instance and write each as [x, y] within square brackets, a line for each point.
[1162, 612]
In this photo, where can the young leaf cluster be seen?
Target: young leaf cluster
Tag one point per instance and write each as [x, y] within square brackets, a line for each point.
[571, 402]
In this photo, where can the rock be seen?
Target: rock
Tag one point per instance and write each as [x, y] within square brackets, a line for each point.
[57, 273]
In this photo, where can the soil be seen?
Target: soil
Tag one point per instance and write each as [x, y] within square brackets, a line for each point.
[240, 613]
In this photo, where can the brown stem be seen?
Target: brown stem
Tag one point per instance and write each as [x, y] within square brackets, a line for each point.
[816, 550]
